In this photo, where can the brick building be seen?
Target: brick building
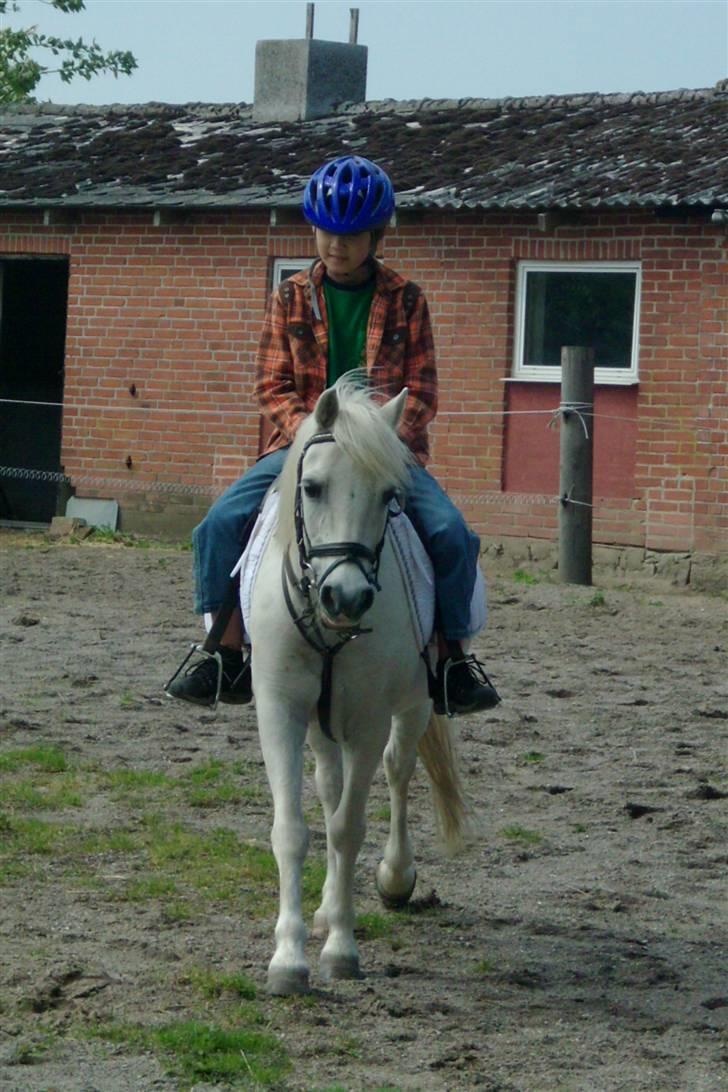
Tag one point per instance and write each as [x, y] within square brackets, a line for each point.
[138, 246]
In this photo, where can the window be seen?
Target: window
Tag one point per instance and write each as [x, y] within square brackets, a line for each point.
[286, 267]
[595, 305]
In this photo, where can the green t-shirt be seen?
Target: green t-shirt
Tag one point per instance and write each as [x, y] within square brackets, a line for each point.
[348, 311]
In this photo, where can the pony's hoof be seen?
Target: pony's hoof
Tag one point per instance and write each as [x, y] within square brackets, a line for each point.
[397, 899]
[337, 967]
[287, 983]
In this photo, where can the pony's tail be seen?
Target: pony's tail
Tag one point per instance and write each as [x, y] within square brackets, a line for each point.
[439, 754]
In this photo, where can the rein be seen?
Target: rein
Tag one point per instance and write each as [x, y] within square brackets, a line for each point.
[307, 620]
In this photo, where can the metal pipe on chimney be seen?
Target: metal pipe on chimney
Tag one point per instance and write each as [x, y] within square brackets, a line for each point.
[309, 20]
[353, 26]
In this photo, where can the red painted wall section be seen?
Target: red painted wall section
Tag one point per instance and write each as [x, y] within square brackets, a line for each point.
[531, 453]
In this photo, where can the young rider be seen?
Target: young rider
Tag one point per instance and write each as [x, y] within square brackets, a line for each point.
[346, 311]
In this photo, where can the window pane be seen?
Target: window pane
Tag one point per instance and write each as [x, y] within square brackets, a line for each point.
[595, 310]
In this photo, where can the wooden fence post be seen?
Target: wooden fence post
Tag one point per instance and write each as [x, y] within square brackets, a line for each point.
[575, 465]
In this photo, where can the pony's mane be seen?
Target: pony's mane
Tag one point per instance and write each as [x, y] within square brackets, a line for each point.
[361, 433]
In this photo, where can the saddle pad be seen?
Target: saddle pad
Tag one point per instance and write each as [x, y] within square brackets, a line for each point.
[415, 567]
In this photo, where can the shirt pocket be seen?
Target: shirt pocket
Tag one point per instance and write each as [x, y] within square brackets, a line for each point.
[392, 352]
[300, 331]
[303, 345]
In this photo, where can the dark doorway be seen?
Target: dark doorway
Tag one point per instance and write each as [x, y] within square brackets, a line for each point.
[33, 296]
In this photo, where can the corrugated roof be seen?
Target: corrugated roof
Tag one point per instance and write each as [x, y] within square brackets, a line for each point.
[575, 151]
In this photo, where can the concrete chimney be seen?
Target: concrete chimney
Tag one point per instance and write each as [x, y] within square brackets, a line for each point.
[303, 79]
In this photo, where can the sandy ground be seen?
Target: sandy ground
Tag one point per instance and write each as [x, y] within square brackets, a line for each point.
[579, 944]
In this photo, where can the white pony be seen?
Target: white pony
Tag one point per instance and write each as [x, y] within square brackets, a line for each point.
[329, 574]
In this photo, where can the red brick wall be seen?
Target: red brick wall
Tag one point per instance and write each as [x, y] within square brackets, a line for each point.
[175, 312]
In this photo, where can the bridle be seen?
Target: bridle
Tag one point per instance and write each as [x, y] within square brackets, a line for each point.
[308, 584]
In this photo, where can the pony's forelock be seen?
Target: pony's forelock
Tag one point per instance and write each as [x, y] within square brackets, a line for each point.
[363, 435]
[366, 437]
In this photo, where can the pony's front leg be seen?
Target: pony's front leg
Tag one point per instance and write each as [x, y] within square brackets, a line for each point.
[329, 783]
[282, 735]
[396, 873]
[346, 830]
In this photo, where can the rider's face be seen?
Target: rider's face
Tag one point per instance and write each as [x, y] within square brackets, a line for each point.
[345, 256]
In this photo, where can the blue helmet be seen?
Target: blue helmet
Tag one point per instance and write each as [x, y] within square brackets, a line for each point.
[348, 195]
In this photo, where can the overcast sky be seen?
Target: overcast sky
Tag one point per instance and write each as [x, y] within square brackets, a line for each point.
[204, 50]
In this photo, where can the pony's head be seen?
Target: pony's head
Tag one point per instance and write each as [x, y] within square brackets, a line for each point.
[344, 472]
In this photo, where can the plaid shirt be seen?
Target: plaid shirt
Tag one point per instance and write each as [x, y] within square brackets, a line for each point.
[293, 354]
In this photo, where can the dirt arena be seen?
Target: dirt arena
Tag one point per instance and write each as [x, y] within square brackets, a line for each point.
[579, 945]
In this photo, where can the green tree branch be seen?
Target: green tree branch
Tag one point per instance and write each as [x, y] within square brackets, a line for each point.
[21, 70]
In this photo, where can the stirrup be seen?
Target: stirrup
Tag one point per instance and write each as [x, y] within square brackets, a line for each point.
[475, 668]
[196, 649]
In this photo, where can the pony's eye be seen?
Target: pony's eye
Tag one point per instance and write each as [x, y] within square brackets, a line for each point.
[392, 499]
[312, 490]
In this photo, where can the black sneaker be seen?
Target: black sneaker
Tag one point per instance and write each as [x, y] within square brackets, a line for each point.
[462, 686]
[199, 684]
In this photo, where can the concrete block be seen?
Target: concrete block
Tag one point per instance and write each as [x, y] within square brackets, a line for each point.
[94, 511]
[303, 79]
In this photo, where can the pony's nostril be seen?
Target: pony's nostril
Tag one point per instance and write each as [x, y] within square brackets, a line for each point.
[357, 604]
[330, 600]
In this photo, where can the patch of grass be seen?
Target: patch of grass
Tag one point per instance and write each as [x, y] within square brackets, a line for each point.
[483, 968]
[104, 536]
[43, 756]
[522, 577]
[32, 836]
[216, 864]
[130, 701]
[20, 841]
[177, 912]
[212, 984]
[32, 1050]
[172, 862]
[314, 874]
[374, 926]
[152, 887]
[28, 795]
[533, 758]
[102, 842]
[217, 784]
[195, 1051]
[124, 781]
[598, 599]
[46, 780]
[220, 796]
[521, 835]
[346, 1046]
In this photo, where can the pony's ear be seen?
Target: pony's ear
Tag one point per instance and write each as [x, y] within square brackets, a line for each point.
[394, 408]
[327, 408]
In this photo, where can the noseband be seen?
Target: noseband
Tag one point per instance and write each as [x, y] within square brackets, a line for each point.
[307, 620]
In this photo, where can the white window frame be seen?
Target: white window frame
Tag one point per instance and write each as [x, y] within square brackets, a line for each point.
[283, 268]
[544, 374]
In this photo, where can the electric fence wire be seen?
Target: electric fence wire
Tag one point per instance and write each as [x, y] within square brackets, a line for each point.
[130, 485]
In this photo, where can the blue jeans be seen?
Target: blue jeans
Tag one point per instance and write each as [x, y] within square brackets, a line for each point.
[453, 548]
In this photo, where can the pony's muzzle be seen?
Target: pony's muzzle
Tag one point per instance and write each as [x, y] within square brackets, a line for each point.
[341, 603]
